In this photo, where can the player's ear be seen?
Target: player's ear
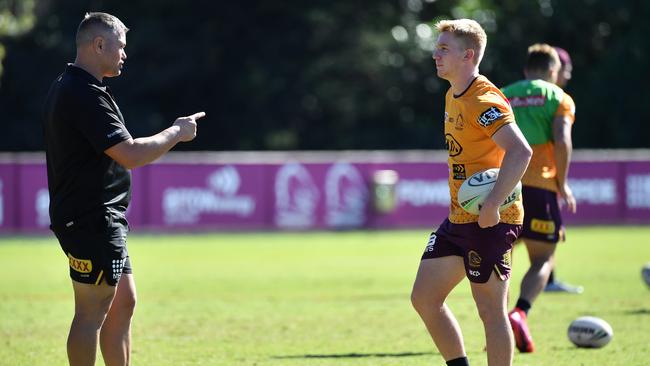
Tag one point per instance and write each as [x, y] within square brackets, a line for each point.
[469, 54]
[99, 44]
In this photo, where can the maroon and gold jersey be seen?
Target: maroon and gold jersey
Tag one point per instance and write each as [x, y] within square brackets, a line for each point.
[471, 119]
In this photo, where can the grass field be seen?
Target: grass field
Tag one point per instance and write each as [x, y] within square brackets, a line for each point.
[316, 299]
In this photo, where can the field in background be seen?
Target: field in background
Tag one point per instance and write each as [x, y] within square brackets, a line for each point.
[316, 299]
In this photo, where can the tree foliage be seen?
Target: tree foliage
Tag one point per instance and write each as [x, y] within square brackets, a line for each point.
[321, 74]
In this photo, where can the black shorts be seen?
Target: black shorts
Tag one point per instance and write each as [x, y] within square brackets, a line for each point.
[95, 245]
[542, 219]
[483, 250]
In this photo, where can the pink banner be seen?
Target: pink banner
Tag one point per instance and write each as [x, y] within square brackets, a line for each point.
[8, 195]
[335, 195]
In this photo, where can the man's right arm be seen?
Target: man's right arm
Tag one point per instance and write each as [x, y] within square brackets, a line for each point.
[562, 149]
[133, 153]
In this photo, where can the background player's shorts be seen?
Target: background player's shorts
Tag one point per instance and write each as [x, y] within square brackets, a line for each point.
[96, 246]
[542, 219]
[483, 250]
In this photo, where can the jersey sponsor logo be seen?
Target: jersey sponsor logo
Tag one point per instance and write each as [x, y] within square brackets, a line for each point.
[453, 146]
[80, 265]
[431, 243]
[489, 116]
[474, 273]
[531, 101]
[474, 259]
[460, 123]
[542, 226]
[459, 172]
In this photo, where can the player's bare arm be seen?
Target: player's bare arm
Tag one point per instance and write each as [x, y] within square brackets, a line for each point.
[133, 153]
[562, 149]
[514, 164]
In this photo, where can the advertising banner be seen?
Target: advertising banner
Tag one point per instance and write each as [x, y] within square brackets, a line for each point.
[8, 194]
[294, 195]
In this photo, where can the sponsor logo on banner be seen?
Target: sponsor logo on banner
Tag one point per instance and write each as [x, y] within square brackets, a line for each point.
[185, 205]
[419, 192]
[638, 191]
[346, 196]
[296, 197]
[42, 206]
[594, 191]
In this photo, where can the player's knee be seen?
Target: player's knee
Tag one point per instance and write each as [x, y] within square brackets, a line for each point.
[127, 306]
[93, 310]
[424, 302]
[489, 313]
[417, 300]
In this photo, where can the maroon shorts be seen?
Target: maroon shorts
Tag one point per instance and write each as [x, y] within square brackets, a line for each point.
[542, 219]
[483, 250]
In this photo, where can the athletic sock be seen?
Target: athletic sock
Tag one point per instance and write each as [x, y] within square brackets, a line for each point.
[460, 361]
[551, 277]
[523, 305]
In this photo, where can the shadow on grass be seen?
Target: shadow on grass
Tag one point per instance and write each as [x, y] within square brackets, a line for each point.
[638, 312]
[356, 355]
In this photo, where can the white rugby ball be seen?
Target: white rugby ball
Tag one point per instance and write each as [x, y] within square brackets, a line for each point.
[590, 332]
[645, 273]
[475, 189]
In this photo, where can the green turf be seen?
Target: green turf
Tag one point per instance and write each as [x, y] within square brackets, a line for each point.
[316, 299]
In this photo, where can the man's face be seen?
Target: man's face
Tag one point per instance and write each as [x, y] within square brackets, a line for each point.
[113, 54]
[448, 55]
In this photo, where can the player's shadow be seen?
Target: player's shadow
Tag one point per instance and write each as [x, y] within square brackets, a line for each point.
[355, 355]
[638, 312]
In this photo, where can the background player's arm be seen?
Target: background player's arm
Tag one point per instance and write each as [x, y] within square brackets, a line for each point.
[562, 149]
[133, 153]
[514, 164]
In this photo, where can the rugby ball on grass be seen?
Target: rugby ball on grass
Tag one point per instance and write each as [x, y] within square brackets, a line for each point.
[475, 189]
[590, 332]
[645, 273]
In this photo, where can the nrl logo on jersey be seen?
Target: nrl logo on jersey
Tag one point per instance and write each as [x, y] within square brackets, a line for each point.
[489, 116]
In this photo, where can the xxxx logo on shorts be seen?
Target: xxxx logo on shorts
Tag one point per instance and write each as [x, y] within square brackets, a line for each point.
[474, 259]
[542, 226]
[507, 259]
[80, 265]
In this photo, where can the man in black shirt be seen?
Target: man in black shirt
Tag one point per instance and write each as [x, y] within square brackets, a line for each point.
[89, 153]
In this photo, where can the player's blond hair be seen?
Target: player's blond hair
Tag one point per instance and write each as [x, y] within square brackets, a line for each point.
[469, 32]
[542, 57]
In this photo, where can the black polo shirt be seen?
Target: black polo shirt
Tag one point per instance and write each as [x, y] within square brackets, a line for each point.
[81, 121]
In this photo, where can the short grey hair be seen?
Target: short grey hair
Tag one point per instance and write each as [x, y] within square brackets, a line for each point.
[95, 23]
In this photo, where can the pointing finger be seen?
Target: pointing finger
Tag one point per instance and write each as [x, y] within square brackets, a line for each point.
[198, 115]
